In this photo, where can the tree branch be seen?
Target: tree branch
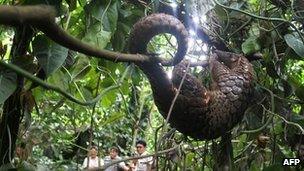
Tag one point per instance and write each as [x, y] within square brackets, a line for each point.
[58, 89]
[42, 17]
[263, 18]
[136, 157]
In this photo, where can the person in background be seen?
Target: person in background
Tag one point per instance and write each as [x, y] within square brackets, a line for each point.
[113, 156]
[92, 161]
[143, 164]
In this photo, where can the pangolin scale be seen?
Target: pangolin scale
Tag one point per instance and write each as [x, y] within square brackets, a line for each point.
[200, 113]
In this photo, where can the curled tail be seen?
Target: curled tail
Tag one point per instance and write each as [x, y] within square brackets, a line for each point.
[143, 31]
[148, 27]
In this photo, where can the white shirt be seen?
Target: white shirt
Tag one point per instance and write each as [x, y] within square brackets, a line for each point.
[141, 164]
[93, 163]
[108, 160]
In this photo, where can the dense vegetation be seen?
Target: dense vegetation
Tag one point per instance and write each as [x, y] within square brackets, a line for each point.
[86, 100]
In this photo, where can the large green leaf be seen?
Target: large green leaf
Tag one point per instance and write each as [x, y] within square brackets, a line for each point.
[113, 118]
[119, 38]
[60, 79]
[7, 84]
[104, 12]
[109, 98]
[97, 36]
[295, 43]
[295, 81]
[81, 68]
[50, 55]
[251, 45]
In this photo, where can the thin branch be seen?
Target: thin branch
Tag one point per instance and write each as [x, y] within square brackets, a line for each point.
[55, 88]
[42, 17]
[288, 122]
[245, 149]
[172, 105]
[106, 71]
[240, 28]
[263, 18]
[137, 157]
[260, 128]
[269, 119]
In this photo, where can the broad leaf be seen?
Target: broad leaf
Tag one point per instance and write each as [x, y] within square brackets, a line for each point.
[59, 79]
[7, 84]
[295, 43]
[104, 12]
[113, 118]
[251, 45]
[119, 38]
[296, 83]
[109, 98]
[50, 55]
[81, 68]
[97, 36]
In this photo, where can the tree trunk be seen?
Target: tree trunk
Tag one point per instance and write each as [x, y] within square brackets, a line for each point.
[12, 110]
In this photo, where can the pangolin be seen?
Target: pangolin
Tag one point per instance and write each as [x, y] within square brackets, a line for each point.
[197, 112]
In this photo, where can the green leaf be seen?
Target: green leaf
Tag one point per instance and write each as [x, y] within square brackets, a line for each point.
[278, 128]
[8, 85]
[59, 79]
[119, 38]
[297, 119]
[81, 68]
[254, 30]
[295, 43]
[251, 45]
[296, 83]
[221, 13]
[105, 13]
[97, 36]
[86, 93]
[109, 98]
[113, 118]
[107, 82]
[276, 167]
[50, 55]
[189, 158]
[110, 22]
